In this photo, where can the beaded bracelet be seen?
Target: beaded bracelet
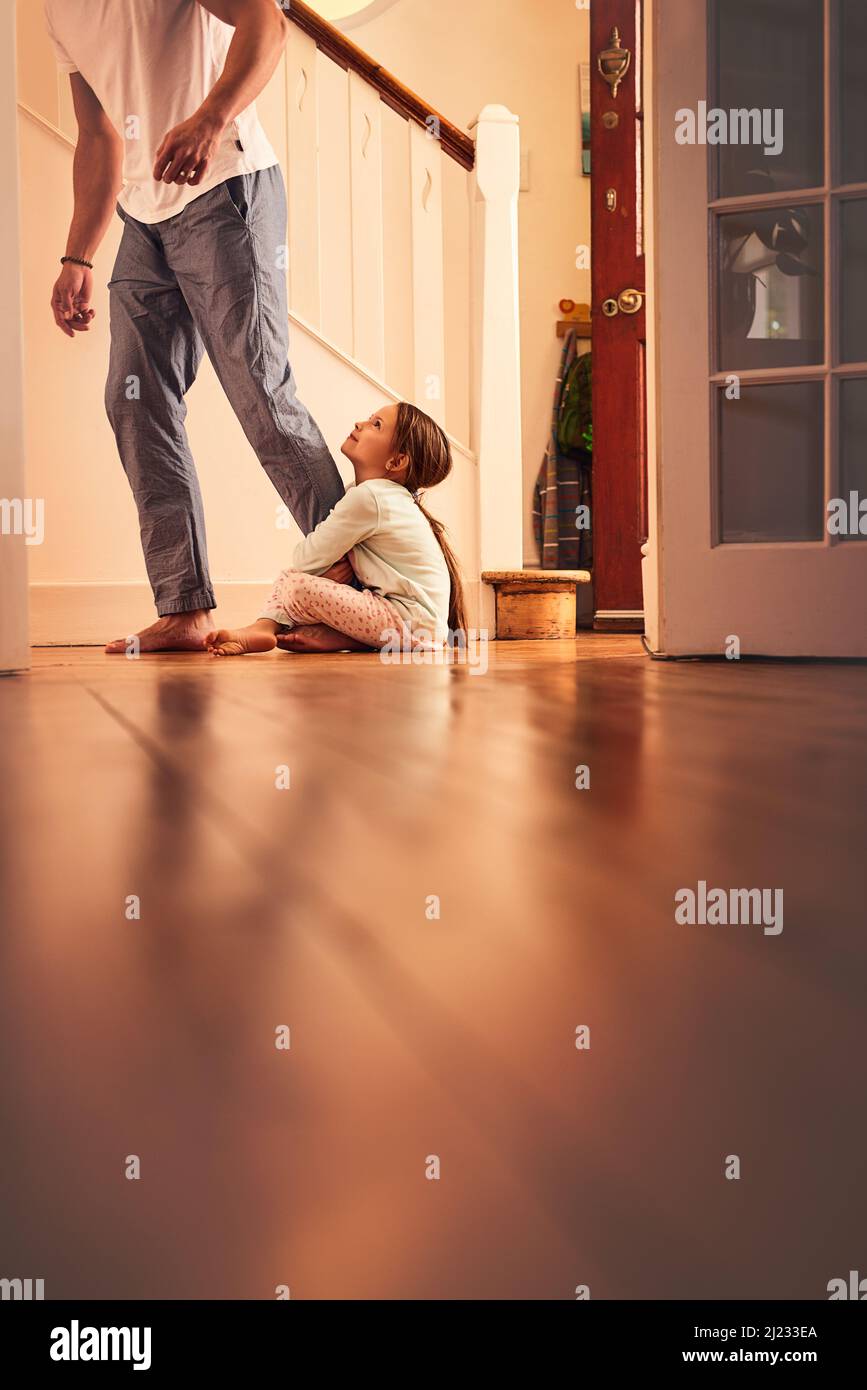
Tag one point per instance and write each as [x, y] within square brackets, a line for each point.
[76, 260]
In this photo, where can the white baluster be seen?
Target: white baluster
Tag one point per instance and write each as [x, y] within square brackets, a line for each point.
[335, 204]
[368, 293]
[273, 112]
[497, 404]
[397, 253]
[302, 177]
[427, 273]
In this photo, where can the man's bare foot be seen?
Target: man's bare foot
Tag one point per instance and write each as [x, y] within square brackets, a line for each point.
[179, 632]
[316, 637]
[240, 641]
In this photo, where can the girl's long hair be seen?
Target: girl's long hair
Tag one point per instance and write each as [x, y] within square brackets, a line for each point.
[430, 461]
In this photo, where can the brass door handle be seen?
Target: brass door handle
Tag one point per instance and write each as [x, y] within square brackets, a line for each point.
[627, 302]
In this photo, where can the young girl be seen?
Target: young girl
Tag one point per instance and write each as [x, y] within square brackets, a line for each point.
[380, 532]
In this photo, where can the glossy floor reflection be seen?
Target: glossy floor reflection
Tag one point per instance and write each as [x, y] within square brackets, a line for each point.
[415, 1035]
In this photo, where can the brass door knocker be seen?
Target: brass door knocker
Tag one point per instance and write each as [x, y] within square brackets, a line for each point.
[613, 63]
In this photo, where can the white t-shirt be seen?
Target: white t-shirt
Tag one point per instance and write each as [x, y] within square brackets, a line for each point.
[151, 63]
[394, 552]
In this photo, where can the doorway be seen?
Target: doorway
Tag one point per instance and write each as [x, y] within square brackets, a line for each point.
[591, 499]
[619, 314]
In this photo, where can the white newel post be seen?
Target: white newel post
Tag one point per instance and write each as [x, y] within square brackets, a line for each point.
[497, 406]
[16, 510]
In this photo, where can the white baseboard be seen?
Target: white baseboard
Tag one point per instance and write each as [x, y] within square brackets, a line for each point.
[89, 615]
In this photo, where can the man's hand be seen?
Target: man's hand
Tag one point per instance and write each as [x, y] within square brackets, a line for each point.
[70, 299]
[187, 150]
[341, 571]
[259, 38]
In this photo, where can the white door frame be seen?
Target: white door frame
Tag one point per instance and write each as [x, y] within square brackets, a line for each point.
[14, 622]
[789, 599]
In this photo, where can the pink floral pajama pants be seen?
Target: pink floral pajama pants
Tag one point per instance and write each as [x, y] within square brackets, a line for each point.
[298, 599]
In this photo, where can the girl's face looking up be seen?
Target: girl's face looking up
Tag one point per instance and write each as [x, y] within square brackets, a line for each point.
[369, 447]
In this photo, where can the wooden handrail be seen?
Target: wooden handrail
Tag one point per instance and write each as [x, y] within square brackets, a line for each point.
[349, 56]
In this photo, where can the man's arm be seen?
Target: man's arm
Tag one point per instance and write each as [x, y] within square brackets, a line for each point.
[259, 38]
[96, 180]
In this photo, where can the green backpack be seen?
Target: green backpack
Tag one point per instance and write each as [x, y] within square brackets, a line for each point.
[575, 415]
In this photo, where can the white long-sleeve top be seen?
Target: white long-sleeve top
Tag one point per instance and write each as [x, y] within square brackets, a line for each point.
[393, 551]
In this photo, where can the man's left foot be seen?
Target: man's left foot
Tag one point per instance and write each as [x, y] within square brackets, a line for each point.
[179, 632]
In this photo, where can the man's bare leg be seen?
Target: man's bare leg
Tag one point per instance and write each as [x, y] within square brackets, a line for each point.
[260, 636]
[177, 632]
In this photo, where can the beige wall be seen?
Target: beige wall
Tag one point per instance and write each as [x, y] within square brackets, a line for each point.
[523, 53]
[14, 552]
[337, 10]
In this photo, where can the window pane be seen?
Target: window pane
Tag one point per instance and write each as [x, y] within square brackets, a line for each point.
[853, 280]
[772, 449]
[771, 288]
[853, 455]
[852, 87]
[770, 59]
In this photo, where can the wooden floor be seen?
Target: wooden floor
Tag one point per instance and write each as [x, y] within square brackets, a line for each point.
[412, 1037]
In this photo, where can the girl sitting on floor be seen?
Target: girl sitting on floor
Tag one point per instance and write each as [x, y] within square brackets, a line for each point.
[380, 532]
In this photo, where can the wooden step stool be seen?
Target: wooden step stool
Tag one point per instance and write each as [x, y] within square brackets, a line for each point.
[535, 604]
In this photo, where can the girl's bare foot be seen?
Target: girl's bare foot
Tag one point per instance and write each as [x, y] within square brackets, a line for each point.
[178, 632]
[258, 637]
[317, 637]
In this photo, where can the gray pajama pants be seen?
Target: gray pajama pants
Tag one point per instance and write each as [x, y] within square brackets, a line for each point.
[208, 279]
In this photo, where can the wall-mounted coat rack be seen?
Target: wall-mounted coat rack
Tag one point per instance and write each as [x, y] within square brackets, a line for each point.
[577, 316]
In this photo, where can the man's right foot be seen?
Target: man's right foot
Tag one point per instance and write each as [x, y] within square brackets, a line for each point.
[179, 632]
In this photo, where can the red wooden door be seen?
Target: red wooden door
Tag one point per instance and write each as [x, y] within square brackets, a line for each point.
[618, 314]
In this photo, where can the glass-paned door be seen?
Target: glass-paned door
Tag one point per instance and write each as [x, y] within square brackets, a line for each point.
[788, 206]
[759, 285]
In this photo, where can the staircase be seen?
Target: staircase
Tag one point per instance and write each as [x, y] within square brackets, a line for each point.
[402, 266]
